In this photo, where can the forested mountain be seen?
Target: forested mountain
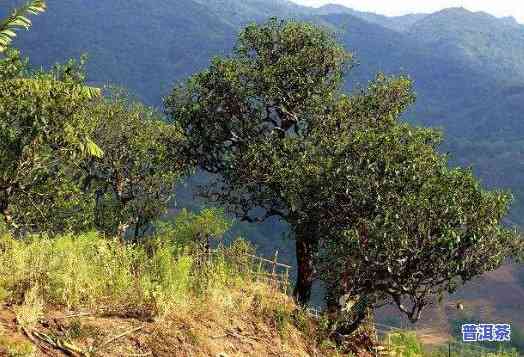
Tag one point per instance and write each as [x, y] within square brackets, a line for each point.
[478, 39]
[398, 23]
[469, 78]
[143, 46]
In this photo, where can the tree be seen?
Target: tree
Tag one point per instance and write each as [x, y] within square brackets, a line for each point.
[354, 184]
[134, 180]
[395, 223]
[42, 126]
[282, 75]
[400, 226]
[18, 19]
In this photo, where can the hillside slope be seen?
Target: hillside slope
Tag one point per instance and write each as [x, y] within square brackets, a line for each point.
[87, 295]
[476, 39]
[469, 79]
[142, 45]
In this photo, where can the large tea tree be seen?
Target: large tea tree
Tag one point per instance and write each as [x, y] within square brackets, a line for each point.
[396, 223]
[400, 226]
[281, 75]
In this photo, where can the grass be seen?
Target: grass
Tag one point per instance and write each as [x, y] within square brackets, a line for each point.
[16, 348]
[184, 295]
[88, 270]
[405, 344]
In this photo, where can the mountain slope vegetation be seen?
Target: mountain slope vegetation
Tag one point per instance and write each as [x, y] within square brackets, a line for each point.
[469, 83]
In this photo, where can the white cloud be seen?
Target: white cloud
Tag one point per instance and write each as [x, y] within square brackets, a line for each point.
[498, 8]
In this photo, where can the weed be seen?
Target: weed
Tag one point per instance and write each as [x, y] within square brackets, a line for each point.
[16, 348]
[31, 311]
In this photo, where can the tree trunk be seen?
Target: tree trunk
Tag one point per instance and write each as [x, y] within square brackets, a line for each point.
[305, 250]
[122, 230]
[4, 207]
[8, 217]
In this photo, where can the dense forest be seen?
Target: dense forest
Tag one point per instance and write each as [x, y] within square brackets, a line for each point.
[285, 125]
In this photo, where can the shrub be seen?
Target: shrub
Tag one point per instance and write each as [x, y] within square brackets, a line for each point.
[405, 344]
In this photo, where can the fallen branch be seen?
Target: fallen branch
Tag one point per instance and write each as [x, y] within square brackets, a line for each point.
[30, 336]
[237, 335]
[64, 346]
[80, 314]
[120, 336]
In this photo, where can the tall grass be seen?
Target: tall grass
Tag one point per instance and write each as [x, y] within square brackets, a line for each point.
[89, 270]
[169, 277]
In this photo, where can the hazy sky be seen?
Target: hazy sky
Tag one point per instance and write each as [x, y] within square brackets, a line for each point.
[499, 8]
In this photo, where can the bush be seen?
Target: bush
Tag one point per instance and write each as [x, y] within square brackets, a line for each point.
[405, 344]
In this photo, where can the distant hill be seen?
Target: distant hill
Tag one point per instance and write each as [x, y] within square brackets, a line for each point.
[397, 23]
[239, 13]
[478, 39]
[143, 45]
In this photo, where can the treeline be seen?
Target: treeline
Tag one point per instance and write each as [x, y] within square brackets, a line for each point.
[375, 210]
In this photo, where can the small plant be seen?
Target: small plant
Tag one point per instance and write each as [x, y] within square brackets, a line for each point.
[31, 311]
[283, 319]
[405, 344]
[303, 322]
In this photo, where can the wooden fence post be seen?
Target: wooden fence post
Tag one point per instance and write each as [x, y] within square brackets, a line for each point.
[275, 263]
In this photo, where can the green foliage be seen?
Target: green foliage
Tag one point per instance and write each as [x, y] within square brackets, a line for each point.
[392, 209]
[44, 133]
[280, 72]
[281, 78]
[405, 344]
[18, 19]
[91, 271]
[133, 182]
[42, 126]
[372, 194]
[470, 85]
[12, 65]
[17, 348]
[56, 179]
[191, 229]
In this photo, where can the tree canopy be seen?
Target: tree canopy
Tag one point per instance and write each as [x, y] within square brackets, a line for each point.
[281, 76]
[42, 126]
[73, 158]
[134, 181]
